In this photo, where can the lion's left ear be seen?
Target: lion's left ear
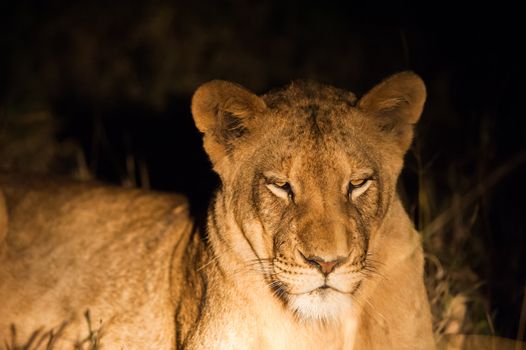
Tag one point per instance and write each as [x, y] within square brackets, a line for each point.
[223, 112]
[396, 104]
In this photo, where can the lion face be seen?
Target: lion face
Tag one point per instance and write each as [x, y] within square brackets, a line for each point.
[307, 177]
[320, 208]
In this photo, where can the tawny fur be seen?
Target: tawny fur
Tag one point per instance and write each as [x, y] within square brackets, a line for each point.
[151, 279]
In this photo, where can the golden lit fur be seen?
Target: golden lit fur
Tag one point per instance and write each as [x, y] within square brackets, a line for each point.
[307, 245]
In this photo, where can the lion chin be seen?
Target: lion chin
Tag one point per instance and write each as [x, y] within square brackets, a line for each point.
[321, 304]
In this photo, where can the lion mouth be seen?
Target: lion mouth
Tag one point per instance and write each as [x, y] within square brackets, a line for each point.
[323, 290]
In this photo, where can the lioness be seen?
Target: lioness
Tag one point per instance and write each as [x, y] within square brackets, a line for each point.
[307, 245]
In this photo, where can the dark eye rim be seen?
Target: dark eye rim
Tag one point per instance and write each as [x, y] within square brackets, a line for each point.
[287, 187]
[352, 187]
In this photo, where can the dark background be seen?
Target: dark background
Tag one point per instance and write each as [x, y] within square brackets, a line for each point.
[102, 89]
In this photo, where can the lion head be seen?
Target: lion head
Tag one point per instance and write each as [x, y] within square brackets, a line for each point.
[308, 174]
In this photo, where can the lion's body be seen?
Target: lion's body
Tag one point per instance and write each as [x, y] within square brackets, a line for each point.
[73, 248]
[294, 255]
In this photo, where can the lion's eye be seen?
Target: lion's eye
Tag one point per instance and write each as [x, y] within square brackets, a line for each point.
[281, 189]
[358, 182]
[357, 187]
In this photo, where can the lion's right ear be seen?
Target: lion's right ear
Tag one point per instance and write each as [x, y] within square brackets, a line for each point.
[396, 104]
[222, 112]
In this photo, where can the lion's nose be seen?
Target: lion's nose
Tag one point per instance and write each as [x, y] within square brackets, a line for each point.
[325, 267]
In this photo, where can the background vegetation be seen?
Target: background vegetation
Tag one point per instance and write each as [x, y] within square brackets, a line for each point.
[101, 90]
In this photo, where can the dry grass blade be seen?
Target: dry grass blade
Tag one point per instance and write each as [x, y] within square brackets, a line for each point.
[442, 220]
[522, 322]
[49, 340]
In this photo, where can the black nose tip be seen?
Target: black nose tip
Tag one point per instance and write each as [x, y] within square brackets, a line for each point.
[324, 265]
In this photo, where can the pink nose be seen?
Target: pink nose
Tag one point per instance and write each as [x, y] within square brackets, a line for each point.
[325, 267]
